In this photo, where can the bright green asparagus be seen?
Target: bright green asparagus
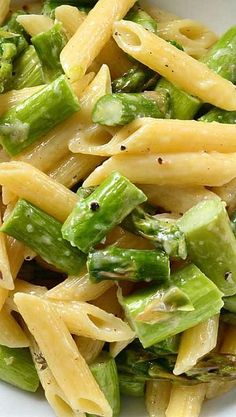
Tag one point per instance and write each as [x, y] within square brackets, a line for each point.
[121, 108]
[50, 5]
[211, 243]
[27, 70]
[25, 123]
[138, 15]
[17, 368]
[137, 79]
[85, 192]
[42, 233]
[164, 233]
[93, 217]
[220, 116]
[128, 264]
[157, 313]
[105, 372]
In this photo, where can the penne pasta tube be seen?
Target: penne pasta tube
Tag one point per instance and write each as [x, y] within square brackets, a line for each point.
[70, 17]
[6, 278]
[83, 319]
[227, 193]
[62, 356]
[11, 334]
[36, 187]
[26, 288]
[82, 48]
[11, 98]
[166, 136]
[195, 343]
[176, 66]
[89, 348]
[229, 340]
[187, 400]
[157, 397]
[116, 347]
[4, 10]
[201, 168]
[216, 388]
[35, 23]
[160, 15]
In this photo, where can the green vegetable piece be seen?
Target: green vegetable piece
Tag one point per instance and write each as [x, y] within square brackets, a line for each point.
[201, 294]
[230, 303]
[42, 233]
[233, 222]
[167, 346]
[105, 372]
[128, 264]
[121, 108]
[17, 368]
[220, 116]
[130, 387]
[25, 123]
[176, 44]
[228, 317]
[50, 5]
[164, 233]
[93, 217]
[85, 192]
[49, 46]
[137, 15]
[137, 79]
[211, 243]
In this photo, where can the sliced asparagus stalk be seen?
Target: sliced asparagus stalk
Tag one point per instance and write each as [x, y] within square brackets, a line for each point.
[138, 15]
[85, 192]
[167, 346]
[25, 123]
[50, 5]
[17, 368]
[137, 79]
[49, 46]
[165, 234]
[157, 313]
[106, 207]
[130, 387]
[176, 44]
[121, 108]
[27, 70]
[42, 233]
[211, 243]
[105, 372]
[220, 116]
[128, 264]
[230, 303]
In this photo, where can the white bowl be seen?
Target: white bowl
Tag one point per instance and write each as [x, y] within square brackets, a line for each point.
[218, 15]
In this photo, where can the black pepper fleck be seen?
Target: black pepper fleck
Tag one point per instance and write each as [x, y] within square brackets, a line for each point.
[166, 65]
[94, 206]
[123, 148]
[160, 161]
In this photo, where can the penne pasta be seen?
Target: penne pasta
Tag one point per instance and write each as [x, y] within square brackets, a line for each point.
[216, 388]
[160, 15]
[35, 23]
[195, 343]
[201, 168]
[11, 334]
[89, 348]
[6, 278]
[4, 10]
[26, 288]
[62, 356]
[150, 136]
[75, 61]
[11, 98]
[116, 347]
[70, 17]
[227, 193]
[157, 397]
[187, 400]
[176, 66]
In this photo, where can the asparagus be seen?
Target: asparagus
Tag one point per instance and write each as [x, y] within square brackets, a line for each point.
[49, 46]
[233, 222]
[157, 313]
[211, 243]
[121, 108]
[13, 27]
[230, 303]
[50, 5]
[176, 44]
[27, 70]
[137, 79]
[130, 387]
[165, 234]
[221, 59]
[105, 208]
[167, 346]
[85, 192]
[137, 15]
[220, 116]
[128, 264]
[105, 372]
[25, 123]
[42, 233]
[17, 368]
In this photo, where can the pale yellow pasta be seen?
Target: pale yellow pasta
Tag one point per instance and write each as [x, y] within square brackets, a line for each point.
[11, 98]
[35, 23]
[8, 196]
[227, 193]
[157, 397]
[190, 75]
[29, 254]
[217, 387]
[83, 319]
[174, 198]
[195, 343]
[149, 136]
[81, 85]
[82, 48]
[200, 168]
[160, 15]
[194, 37]
[89, 348]
[11, 334]
[116, 347]
[6, 278]
[35, 186]
[89, 136]
[109, 302]
[229, 340]
[70, 17]
[79, 288]
[62, 356]
[187, 400]
[4, 10]
[27, 288]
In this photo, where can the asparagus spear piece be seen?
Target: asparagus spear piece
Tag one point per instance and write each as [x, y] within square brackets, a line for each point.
[137, 79]
[49, 46]
[27, 70]
[167, 346]
[121, 108]
[50, 5]
[130, 387]
[105, 372]
[137, 15]
[42, 233]
[85, 192]
[128, 264]
[221, 59]
[233, 222]
[17, 368]
[211, 243]
[13, 27]
[105, 208]
[165, 234]
[230, 303]
[220, 116]
[25, 123]
[176, 44]
[157, 313]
